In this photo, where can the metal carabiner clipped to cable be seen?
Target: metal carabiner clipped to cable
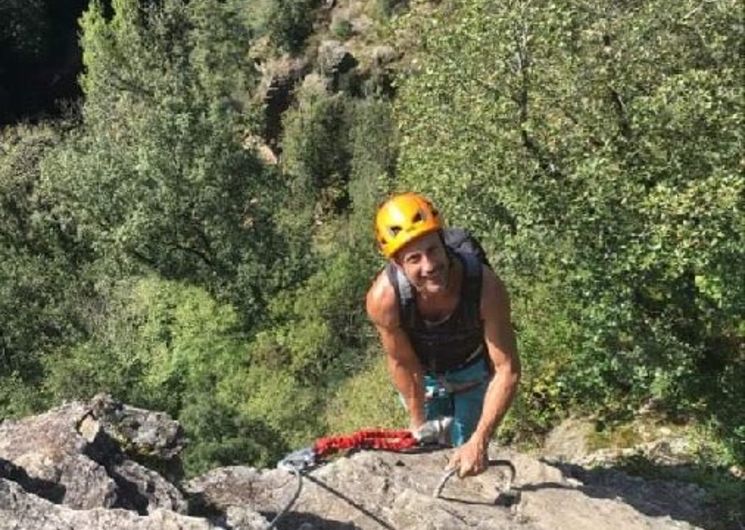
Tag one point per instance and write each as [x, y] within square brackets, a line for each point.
[300, 460]
[296, 463]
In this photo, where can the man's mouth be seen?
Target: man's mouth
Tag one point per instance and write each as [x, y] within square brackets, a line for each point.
[436, 276]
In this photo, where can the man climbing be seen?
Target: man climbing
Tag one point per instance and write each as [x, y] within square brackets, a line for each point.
[444, 322]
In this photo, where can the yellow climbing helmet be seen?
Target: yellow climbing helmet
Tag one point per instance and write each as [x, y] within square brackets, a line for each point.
[403, 218]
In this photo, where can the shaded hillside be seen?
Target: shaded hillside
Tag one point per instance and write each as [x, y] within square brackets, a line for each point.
[40, 59]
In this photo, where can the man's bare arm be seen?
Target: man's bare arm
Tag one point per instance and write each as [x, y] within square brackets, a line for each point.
[502, 349]
[471, 457]
[403, 364]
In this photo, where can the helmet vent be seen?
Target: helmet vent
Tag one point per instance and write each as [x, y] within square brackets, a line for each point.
[418, 218]
[394, 230]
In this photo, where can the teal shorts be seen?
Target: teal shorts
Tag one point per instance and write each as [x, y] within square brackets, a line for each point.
[464, 407]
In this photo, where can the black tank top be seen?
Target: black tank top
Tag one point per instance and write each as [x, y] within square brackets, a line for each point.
[458, 340]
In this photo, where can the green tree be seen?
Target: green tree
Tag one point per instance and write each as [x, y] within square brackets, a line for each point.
[157, 176]
[337, 156]
[42, 269]
[154, 342]
[222, 436]
[372, 146]
[315, 151]
[170, 346]
[597, 150]
[289, 22]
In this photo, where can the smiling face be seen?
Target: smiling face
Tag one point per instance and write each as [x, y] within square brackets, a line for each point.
[425, 263]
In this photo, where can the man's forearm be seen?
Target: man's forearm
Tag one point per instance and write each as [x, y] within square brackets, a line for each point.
[497, 401]
[408, 380]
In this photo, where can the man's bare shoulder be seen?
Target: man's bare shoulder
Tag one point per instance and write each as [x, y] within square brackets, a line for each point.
[382, 302]
[494, 294]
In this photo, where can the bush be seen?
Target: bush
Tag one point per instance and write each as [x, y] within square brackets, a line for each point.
[156, 177]
[42, 261]
[366, 400]
[154, 343]
[169, 346]
[384, 9]
[342, 28]
[18, 397]
[290, 22]
[221, 436]
[315, 152]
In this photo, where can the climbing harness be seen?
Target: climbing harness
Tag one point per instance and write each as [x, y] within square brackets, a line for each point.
[447, 388]
[430, 435]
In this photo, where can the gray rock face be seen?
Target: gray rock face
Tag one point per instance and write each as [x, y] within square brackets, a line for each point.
[72, 468]
[74, 455]
[142, 431]
[279, 75]
[568, 442]
[334, 58]
[384, 55]
[147, 490]
[373, 490]
[51, 451]
[20, 510]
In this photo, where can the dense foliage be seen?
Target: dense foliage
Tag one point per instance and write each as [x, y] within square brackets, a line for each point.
[595, 149]
[148, 252]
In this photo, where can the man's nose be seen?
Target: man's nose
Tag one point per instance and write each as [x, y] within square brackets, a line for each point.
[428, 264]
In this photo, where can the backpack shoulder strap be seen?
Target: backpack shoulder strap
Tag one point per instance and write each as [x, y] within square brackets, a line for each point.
[463, 242]
[473, 274]
[404, 293]
[454, 237]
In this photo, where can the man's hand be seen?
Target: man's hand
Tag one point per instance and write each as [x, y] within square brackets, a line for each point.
[435, 431]
[470, 458]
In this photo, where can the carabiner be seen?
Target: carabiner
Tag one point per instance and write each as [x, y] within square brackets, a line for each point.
[299, 460]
